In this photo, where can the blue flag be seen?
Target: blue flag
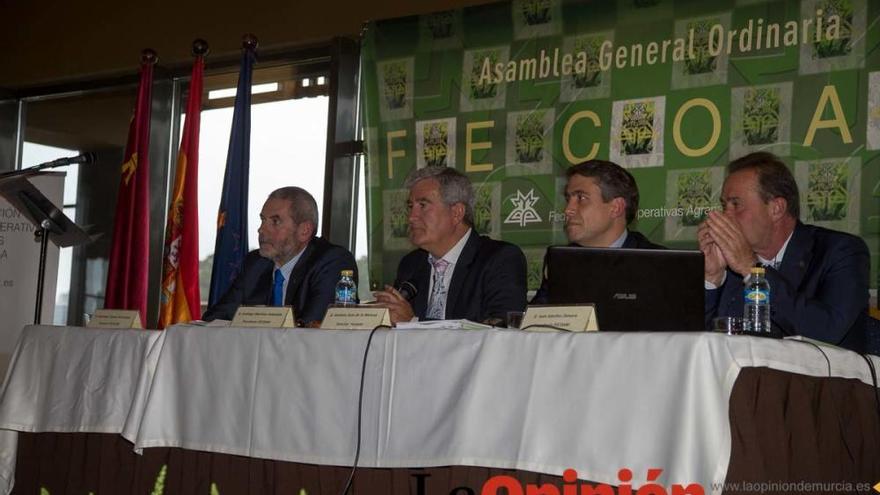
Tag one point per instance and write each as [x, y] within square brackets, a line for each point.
[232, 229]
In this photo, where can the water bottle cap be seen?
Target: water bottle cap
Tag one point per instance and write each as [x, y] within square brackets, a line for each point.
[758, 269]
[347, 273]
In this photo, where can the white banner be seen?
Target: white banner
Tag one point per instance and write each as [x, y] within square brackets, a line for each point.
[19, 264]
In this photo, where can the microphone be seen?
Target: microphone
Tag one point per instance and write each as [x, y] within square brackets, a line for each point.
[407, 290]
[87, 157]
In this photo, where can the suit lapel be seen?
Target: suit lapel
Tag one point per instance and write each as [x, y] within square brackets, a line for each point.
[299, 273]
[456, 286]
[422, 276]
[794, 267]
[797, 256]
[264, 285]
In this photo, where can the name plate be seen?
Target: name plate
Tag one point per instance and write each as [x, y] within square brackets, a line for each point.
[578, 318]
[263, 317]
[356, 318]
[115, 318]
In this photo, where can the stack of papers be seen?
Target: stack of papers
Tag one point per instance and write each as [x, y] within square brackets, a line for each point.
[212, 323]
[442, 324]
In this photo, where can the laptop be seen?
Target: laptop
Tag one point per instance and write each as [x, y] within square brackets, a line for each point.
[633, 289]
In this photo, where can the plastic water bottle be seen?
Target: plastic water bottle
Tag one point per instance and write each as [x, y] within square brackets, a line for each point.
[756, 310]
[346, 289]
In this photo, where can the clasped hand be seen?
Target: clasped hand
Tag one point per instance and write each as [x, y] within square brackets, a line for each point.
[724, 245]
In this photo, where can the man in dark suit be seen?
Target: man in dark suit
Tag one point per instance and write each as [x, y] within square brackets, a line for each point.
[457, 273]
[818, 277]
[292, 267]
[601, 199]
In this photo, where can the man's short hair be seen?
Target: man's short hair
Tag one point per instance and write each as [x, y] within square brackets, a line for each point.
[774, 179]
[614, 181]
[455, 187]
[303, 207]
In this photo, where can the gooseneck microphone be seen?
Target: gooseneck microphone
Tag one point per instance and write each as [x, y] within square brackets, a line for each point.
[87, 157]
[408, 290]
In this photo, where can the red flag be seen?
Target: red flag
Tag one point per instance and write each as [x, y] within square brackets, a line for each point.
[180, 300]
[129, 254]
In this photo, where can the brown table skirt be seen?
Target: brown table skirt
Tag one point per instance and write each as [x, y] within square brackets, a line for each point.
[786, 429]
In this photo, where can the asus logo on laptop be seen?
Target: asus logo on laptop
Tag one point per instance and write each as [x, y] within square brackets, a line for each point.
[625, 296]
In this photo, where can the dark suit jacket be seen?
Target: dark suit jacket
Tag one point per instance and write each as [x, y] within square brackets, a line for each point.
[489, 280]
[310, 290]
[820, 291]
[634, 240]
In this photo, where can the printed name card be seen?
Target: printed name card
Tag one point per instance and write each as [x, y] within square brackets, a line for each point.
[356, 318]
[578, 318]
[115, 318]
[263, 317]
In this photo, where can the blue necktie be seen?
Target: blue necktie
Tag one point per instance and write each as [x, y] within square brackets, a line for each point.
[278, 289]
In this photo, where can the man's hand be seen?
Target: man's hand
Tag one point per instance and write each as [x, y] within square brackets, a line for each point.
[397, 305]
[715, 264]
[727, 235]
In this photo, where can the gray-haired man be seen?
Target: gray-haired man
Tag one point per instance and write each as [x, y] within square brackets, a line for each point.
[457, 273]
[293, 267]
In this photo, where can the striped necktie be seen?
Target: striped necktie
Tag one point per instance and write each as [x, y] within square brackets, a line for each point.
[437, 303]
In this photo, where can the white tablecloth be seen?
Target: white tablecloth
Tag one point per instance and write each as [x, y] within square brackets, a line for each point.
[535, 401]
[542, 402]
[69, 379]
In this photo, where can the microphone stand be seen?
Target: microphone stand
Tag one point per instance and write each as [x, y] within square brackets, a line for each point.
[48, 220]
[42, 235]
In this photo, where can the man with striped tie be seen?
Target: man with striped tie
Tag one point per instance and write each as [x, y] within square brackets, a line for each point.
[455, 272]
[292, 267]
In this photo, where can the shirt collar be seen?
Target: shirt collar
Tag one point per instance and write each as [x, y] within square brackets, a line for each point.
[620, 240]
[776, 262]
[453, 254]
[287, 268]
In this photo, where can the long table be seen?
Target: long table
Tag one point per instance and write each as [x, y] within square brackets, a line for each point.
[537, 402]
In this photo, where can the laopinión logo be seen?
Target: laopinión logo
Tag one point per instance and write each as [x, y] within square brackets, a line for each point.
[508, 485]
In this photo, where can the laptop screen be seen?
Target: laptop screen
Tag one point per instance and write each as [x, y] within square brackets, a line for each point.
[633, 289]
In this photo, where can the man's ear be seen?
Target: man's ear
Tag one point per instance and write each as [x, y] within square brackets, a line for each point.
[305, 231]
[458, 212]
[618, 207]
[778, 208]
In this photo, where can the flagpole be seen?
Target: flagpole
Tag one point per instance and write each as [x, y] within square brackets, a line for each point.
[128, 269]
[200, 48]
[180, 299]
[231, 246]
[250, 42]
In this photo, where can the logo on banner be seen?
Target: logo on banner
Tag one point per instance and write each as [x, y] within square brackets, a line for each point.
[523, 212]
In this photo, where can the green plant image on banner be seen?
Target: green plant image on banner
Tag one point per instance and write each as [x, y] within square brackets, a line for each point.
[513, 93]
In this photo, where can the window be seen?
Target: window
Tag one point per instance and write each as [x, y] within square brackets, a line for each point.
[288, 146]
[35, 154]
[65, 125]
[289, 121]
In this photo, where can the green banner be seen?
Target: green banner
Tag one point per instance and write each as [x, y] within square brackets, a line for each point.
[513, 93]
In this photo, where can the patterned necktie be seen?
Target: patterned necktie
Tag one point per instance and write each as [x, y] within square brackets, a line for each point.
[278, 289]
[437, 303]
